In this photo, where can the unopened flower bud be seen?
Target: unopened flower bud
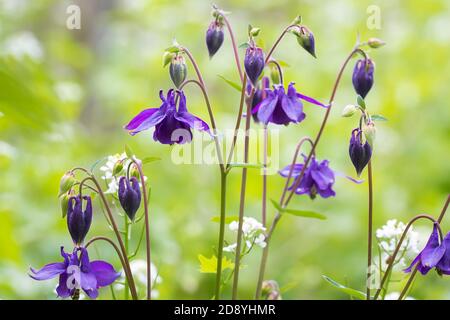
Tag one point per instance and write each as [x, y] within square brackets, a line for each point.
[369, 131]
[66, 182]
[118, 167]
[360, 152]
[214, 37]
[270, 290]
[134, 171]
[305, 38]
[129, 195]
[254, 63]
[167, 57]
[375, 43]
[349, 110]
[363, 76]
[79, 221]
[275, 74]
[178, 70]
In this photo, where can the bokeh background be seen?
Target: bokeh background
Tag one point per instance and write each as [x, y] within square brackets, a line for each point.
[65, 95]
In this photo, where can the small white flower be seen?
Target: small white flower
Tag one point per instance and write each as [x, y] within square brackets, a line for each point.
[23, 44]
[395, 296]
[252, 233]
[230, 248]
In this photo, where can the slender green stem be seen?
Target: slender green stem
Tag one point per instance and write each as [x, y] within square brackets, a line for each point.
[147, 227]
[413, 274]
[370, 227]
[223, 195]
[264, 178]
[237, 260]
[126, 243]
[397, 249]
[234, 45]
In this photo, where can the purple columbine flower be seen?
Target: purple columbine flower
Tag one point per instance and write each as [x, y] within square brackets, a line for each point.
[363, 76]
[360, 153]
[79, 221]
[171, 125]
[77, 272]
[305, 38]
[432, 254]
[129, 195]
[281, 108]
[214, 37]
[317, 179]
[443, 266]
[254, 63]
[260, 92]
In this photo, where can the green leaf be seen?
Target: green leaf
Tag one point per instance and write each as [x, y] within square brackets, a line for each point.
[298, 213]
[128, 151]
[305, 214]
[246, 165]
[378, 117]
[231, 83]
[209, 265]
[244, 45]
[351, 292]
[361, 102]
[173, 49]
[150, 159]
[228, 219]
[283, 63]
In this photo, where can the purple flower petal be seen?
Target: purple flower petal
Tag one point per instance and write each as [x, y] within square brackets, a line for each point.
[311, 100]
[266, 107]
[295, 172]
[433, 251]
[444, 264]
[62, 290]
[49, 271]
[323, 176]
[145, 120]
[104, 273]
[291, 105]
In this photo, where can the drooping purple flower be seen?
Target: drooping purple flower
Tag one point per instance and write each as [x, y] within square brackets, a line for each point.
[360, 153]
[431, 255]
[363, 76]
[129, 195]
[77, 272]
[318, 178]
[79, 221]
[281, 108]
[305, 38]
[254, 63]
[443, 266]
[214, 37]
[171, 125]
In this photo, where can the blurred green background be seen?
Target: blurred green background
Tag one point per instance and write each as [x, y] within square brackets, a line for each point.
[65, 95]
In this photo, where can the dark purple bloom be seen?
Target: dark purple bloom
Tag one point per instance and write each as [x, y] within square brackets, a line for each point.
[443, 266]
[432, 255]
[317, 179]
[77, 272]
[363, 76]
[359, 153]
[254, 63]
[129, 196]
[171, 125]
[79, 221]
[281, 108]
[214, 37]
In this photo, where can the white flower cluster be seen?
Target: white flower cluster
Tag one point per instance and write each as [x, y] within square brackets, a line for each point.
[113, 180]
[139, 270]
[22, 45]
[252, 233]
[388, 237]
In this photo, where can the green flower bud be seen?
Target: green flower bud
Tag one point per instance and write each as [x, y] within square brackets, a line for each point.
[178, 70]
[64, 202]
[118, 167]
[349, 110]
[369, 131]
[275, 74]
[167, 57]
[375, 43]
[67, 181]
[134, 172]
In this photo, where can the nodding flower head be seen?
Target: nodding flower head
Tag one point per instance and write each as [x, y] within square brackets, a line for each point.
[318, 178]
[171, 125]
[360, 152]
[363, 76]
[77, 272]
[279, 107]
[79, 220]
[129, 196]
[178, 70]
[214, 37]
[254, 63]
[433, 255]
